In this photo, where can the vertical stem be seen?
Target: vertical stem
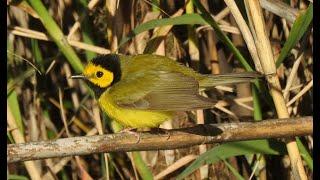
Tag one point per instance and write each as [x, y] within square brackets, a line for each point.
[114, 24]
[192, 39]
[18, 137]
[269, 68]
[246, 34]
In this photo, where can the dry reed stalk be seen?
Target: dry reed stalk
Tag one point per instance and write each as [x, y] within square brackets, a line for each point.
[192, 36]
[129, 154]
[73, 30]
[92, 4]
[301, 93]
[52, 64]
[74, 96]
[243, 89]
[34, 131]
[227, 111]
[19, 138]
[245, 32]
[225, 28]
[193, 47]
[92, 132]
[285, 28]
[269, 68]
[140, 40]
[56, 167]
[112, 18]
[292, 76]
[212, 52]
[176, 165]
[222, 14]
[237, 100]
[160, 50]
[42, 36]
[159, 34]
[225, 88]
[281, 9]
[84, 173]
[260, 159]
[63, 114]
[99, 127]
[204, 170]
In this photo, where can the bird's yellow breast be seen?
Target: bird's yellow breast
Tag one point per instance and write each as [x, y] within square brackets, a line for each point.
[134, 118]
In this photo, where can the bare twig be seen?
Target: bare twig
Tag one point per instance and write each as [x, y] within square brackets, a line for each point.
[178, 138]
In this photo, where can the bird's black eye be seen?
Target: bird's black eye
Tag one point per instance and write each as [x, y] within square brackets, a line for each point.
[99, 74]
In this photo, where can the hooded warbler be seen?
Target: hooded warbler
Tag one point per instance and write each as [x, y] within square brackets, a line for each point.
[146, 90]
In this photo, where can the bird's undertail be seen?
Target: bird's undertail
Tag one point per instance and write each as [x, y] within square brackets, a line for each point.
[224, 79]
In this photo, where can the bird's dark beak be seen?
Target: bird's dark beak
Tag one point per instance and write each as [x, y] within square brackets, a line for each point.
[80, 76]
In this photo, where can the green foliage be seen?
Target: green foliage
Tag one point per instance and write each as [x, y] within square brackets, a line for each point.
[305, 154]
[13, 103]
[207, 17]
[17, 177]
[299, 27]
[235, 149]
[141, 166]
[233, 170]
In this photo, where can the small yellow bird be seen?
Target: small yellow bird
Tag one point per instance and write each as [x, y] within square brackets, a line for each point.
[146, 90]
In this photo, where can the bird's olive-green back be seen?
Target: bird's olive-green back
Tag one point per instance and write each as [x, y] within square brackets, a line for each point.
[157, 83]
[145, 62]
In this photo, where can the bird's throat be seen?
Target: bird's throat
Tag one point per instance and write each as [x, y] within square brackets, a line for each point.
[96, 89]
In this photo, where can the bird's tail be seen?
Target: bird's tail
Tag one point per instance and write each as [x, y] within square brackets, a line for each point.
[224, 79]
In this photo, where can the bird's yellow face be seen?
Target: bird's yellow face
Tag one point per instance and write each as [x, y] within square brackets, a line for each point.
[101, 73]
[98, 75]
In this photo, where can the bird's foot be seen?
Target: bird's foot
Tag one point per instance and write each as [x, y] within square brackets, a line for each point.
[161, 131]
[132, 131]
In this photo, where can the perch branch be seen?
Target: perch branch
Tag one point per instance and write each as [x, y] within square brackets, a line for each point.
[160, 140]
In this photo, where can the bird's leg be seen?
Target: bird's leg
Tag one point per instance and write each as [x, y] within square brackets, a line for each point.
[161, 131]
[132, 131]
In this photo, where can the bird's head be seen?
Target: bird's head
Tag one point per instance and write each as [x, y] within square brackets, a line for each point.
[101, 73]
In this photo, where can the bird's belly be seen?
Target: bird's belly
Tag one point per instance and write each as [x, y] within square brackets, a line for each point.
[132, 117]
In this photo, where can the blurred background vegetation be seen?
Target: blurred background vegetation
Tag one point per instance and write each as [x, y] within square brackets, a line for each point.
[48, 41]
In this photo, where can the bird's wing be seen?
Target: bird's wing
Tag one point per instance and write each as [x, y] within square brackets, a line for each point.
[159, 90]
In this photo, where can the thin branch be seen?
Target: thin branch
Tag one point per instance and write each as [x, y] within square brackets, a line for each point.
[160, 140]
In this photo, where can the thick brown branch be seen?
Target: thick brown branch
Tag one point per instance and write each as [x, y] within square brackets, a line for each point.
[168, 139]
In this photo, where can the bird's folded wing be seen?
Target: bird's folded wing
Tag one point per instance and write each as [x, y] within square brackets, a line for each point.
[159, 90]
